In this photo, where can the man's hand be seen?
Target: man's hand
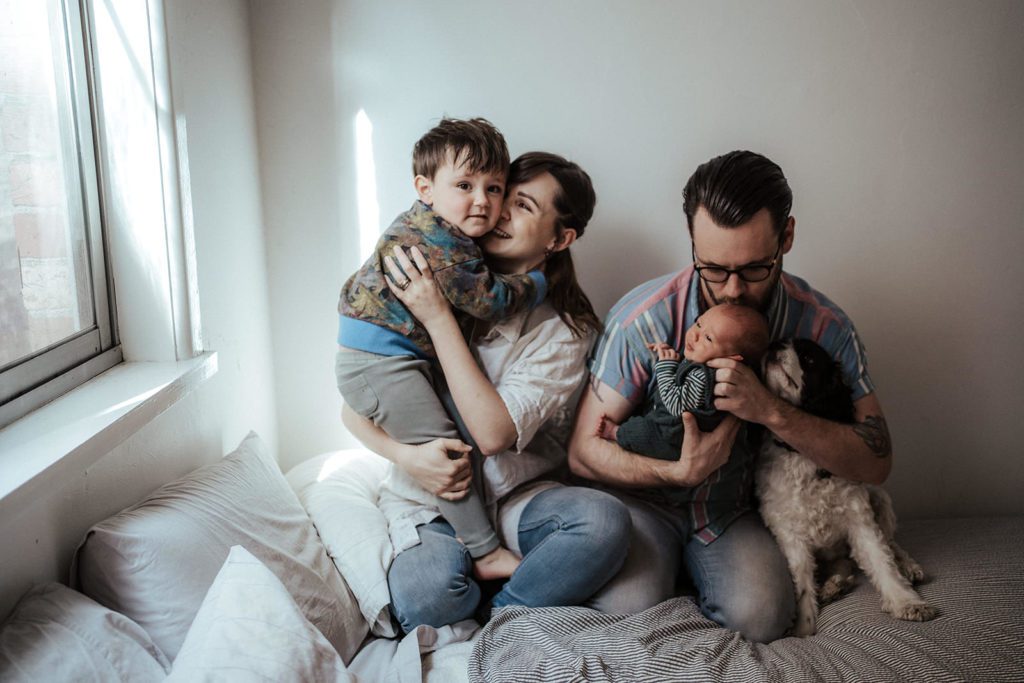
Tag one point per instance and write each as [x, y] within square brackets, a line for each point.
[740, 392]
[704, 452]
[593, 457]
[430, 465]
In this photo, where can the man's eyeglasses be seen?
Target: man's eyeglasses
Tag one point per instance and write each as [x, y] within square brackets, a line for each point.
[758, 272]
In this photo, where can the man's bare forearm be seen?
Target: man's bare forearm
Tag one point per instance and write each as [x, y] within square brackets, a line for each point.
[861, 451]
[599, 459]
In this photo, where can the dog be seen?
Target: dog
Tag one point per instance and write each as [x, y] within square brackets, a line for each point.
[817, 516]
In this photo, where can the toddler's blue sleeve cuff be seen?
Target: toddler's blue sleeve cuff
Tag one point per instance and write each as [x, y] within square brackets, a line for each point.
[542, 286]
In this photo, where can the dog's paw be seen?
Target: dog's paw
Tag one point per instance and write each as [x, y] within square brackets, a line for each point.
[912, 571]
[914, 611]
[804, 627]
[834, 587]
[806, 623]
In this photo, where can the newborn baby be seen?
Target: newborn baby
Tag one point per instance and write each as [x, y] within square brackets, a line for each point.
[724, 331]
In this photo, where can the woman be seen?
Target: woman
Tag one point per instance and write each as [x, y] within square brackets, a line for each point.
[517, 409]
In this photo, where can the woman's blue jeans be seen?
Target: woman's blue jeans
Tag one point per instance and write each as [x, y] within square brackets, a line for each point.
[573, 541]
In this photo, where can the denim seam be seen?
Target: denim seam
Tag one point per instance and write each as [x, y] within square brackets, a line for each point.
[550, 518]
[704, 587]
[559, 526]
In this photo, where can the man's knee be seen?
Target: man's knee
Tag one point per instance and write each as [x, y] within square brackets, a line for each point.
[743, 581]
[649, 570]
[762, 614]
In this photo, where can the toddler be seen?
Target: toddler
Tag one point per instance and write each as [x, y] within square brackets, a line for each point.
[384, 361]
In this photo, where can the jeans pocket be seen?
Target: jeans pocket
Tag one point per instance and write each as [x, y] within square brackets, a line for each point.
[359, 396]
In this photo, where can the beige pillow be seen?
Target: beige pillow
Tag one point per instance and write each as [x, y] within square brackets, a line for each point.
[155, 561]
[57, 634]
[249, 629]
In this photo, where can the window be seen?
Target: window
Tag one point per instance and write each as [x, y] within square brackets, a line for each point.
[56, 310]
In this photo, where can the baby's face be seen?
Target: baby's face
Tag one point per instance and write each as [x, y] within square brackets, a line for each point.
[714, 335]
[471, 201]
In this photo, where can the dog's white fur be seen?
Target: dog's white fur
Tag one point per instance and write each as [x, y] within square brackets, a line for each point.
[829, 518]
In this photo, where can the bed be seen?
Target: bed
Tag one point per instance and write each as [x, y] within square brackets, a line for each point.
[238, 572]
[976, 570]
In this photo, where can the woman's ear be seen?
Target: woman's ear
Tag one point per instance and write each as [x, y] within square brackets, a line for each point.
[424, 189]
[562, 241]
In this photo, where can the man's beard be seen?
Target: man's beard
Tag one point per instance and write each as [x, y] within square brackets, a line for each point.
[746, 300]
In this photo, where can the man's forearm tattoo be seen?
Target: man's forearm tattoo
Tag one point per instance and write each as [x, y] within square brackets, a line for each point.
[875, 433]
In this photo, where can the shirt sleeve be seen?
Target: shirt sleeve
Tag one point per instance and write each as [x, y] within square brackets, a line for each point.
[680, 398]
[846, 348]
[668, 389]
[622, 360]
[543, 380]
[475, 290]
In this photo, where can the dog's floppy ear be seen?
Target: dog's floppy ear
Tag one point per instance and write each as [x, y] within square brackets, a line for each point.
[835, 401]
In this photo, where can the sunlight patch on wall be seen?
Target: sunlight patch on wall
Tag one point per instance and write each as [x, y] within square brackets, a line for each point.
[366, 186]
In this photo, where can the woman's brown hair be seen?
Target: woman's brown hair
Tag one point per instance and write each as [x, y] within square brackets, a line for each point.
[575, 205]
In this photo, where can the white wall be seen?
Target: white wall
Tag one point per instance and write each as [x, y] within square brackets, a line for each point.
[898, 125]
[210, 51]
[210, 58]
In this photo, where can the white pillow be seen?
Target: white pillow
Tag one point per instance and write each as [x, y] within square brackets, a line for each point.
[249, 628]
[155, 561]
[57, 634]
[339, 491]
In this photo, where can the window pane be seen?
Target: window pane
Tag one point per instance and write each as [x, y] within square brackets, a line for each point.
[45, 292]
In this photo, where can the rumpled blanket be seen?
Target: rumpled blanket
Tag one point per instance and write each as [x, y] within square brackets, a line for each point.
[977, 567]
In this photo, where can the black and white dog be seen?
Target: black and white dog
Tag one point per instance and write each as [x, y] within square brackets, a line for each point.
[815, 515]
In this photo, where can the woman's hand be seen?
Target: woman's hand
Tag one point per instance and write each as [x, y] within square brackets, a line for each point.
[430, 465]
[420, 294]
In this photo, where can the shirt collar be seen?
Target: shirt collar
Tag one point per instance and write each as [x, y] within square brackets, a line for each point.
[510, 328]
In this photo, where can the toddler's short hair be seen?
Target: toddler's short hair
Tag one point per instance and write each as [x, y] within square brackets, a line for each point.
[474, 143]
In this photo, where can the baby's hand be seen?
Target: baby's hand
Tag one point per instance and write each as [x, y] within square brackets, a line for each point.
[664, 351]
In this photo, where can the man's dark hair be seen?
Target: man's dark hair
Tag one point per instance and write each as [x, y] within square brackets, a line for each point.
[734, 187]
[474, 143]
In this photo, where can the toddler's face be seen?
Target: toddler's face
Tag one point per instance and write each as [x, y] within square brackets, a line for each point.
[471, 201]
[714, 335]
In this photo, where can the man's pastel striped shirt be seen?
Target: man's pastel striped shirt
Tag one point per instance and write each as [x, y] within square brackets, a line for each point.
[662, 310]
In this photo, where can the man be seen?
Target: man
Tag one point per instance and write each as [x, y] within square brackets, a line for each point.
[698, 512]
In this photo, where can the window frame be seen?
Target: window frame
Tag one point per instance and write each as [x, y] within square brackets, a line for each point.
[29, 383]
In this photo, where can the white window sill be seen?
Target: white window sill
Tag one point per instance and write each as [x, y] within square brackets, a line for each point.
[72, 432]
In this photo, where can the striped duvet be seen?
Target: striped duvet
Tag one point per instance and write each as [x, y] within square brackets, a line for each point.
[977, 582]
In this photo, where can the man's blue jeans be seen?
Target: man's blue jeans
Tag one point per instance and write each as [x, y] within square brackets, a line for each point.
[741, 579]
[573, 540]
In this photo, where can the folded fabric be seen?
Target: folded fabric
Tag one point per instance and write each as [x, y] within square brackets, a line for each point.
[250, 629]
[57, 634]
[155, 561]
